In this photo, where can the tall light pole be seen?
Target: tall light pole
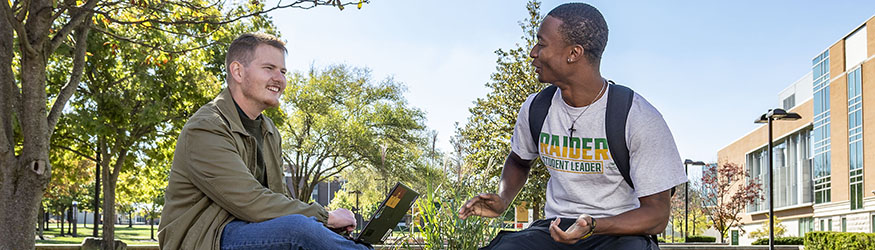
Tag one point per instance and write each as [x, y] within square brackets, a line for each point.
[357, 210]
[768, 117]
[688, 162]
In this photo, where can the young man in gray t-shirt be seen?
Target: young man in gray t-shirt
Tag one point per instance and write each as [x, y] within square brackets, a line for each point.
[589, 204]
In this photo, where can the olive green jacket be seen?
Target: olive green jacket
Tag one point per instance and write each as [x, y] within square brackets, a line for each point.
[212, 183]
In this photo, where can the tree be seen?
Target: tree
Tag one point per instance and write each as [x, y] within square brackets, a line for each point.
[687, 215]
[698, 219]
[487, 134]
[763, 231]
[339, 118]
[33, 31]
[728, 190]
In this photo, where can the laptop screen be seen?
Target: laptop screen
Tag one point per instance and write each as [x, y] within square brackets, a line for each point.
[390, 212]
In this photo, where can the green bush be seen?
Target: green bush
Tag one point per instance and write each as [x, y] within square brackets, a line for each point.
[701, 238]
[781, 241]
[838, 240]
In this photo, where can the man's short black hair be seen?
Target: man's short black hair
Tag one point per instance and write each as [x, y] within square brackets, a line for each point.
[584, 25]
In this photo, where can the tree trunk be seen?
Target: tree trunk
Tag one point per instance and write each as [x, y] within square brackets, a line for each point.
[536, 207]
[41, 219]
[111, 179]
[97, 192]
[130, 220]
[108, 209]
[24, 174]
[63, 222]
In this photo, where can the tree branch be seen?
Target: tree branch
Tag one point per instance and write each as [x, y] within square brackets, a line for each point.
[76, 152]
[75, 77]
[78, 19]
[295, 4]
[155, 47]
[17, 25]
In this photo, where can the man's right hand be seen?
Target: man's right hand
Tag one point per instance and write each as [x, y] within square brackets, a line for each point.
[484, 205]
[341, 220]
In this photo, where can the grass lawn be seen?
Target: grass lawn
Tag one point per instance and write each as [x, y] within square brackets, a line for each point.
[138, 235]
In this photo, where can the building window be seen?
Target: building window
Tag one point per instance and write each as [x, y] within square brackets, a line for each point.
[805, 225]
[822, 225]
[790, 161]
[790, 102]
[855, 138]
[873, 223]
[820, 134]
[844, 224]
[829, 225]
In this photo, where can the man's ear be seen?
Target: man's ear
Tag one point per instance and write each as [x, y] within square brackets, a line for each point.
[236, 72]
[575, 54]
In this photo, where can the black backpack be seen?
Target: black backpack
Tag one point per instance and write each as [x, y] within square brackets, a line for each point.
[619, 103]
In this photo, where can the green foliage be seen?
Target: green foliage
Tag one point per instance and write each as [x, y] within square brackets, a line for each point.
[837, 240]
[369, 183]
[701, 238]
[70, 182]
[486, 136]
[339, 118]
[135, 97]
[781, 241]
[437, 213]
[763, 231]
[695, 215]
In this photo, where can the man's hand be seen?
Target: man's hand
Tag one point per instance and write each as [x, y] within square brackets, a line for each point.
[484, 205]
[577, 230]
[341, 219]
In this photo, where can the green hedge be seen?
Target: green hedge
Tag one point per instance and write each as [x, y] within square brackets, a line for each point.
[781, 241]
[838, 240]
[701, 238]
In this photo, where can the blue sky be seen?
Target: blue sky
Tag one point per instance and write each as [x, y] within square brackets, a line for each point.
[710, 67]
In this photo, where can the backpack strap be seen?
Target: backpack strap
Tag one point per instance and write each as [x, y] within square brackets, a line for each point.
[538, 112]
[619, 103]
[616, 114]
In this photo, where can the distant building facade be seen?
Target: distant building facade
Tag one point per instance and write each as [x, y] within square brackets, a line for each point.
[824, 163]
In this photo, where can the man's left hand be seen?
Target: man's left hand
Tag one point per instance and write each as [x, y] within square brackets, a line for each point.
[574, 233]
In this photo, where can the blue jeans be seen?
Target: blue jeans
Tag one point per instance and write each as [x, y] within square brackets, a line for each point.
[287, 232]
[537, 237]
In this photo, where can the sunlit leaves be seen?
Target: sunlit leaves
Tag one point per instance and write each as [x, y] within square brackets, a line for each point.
[340, 118]
[487, 134]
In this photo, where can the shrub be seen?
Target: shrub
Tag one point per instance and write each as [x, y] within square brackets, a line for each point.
[838, 240]
[701, 238]
[781, 241]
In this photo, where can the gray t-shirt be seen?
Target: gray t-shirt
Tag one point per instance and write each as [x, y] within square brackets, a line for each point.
[583, 176]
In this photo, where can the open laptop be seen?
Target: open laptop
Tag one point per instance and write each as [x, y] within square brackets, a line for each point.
[390, 212]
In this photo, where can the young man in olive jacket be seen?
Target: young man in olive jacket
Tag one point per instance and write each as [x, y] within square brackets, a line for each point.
[226, 187]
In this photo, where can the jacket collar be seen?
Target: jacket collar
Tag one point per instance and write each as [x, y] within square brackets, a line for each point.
[226, 106]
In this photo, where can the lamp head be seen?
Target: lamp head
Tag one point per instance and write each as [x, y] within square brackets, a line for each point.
[777, 114]
[781, 114]
[762, 119]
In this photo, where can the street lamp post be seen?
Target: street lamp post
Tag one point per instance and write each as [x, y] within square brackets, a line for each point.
[688, 162]
[75, 212]
[356, 210]
[768, 117]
